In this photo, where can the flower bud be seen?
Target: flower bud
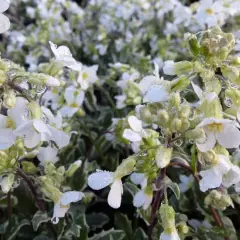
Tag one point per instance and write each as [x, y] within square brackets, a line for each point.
[197, 133]
[35, 110]
[163, 156]
[73, 168]
[218, 200]
[192, 43]
[42, 79]
[81, 112]
[146, 115]
[175, 99]
[162, 117]
[182, 228]
[29, 167]
[176, 125]
[167, 214]
[2, 77]
[183, 67]
[126, 167]
[234, 95]
[9, 98]
[185, 111]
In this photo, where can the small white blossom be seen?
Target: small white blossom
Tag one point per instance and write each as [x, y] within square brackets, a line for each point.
[87, 76]
[4, 21]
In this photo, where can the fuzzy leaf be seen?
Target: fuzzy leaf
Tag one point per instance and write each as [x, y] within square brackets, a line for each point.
[39, 218]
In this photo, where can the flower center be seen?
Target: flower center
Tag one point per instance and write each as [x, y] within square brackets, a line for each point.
[74, 105]
[215, 127]
[10, 123]
[209, 11]
[85, 76]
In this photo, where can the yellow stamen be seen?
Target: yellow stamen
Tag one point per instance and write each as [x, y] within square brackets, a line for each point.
[74, 105]
[85, 76]
[10, 123]
[209, 11]
[215, 127]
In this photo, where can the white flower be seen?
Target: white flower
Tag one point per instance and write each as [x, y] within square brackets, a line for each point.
[16, 116]
[63, 204]
[61, 138]
[135, 132]
[87, 76]
[186, 182]
[102, 179]
[223, 131]
[153, 88]
[74, 98]
[47, 154]
[170, 236]
[4, 21]
[213, 177]
[143, 198]
[64, 56]
[210, 13]
[169, 68]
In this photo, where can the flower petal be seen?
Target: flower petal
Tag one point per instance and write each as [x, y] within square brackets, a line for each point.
[229, 137]
[71, 196]
[208, 144]
[115, 194]
[137, 178]
[4, 23]
[231, 177]
[156, 93]
[4, 5]
[61, 138]
[139, 199]
[7, 138]
[131, 135]
[135, 123]
[100, 179]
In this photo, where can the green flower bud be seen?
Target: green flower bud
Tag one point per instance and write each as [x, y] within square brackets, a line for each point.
[185, 111]
[182, 228]
[73, 168]
[126, 167]
[234, 95]
[29, 167]
[162, 117]
[209, 157]
[163, 156]
[211, 106]
[179, 84]
[174, 99]
[192, 44]
[35, 110]
[42, 79]
[176, 125]
[146, 115]
[218, 200]
[81, 112]
[9, 98]
[236, 61]
[185, 125]
[197, 133]
[167, 214]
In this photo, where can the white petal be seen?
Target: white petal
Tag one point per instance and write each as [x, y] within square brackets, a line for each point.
[52, 82]
[135, 123]
[46, 154]
[131, 135]
[32, 139]
[137, 178]
[4, 23]
[229, 137]
[208, 144]
[41, 127]
[147, 202]
[146, 83]
[169, 68]
[100, 179]
[7, 138]
[115, 194]
[59, 211]
[3, 121]
[68, 111]
[80, 98]
[61, 138]
[237, 187]
[231, 177]
[169, 236]
[156, 93]
[139, 199]
[197, 90]
[71, 196]
[4, 5]
[69, 95]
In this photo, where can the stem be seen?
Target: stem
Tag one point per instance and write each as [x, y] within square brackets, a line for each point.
[31, 186]
[156, 203]
[20, 90]
[9, 200]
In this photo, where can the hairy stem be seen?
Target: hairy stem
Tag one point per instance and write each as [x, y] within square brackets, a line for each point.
[9, 200]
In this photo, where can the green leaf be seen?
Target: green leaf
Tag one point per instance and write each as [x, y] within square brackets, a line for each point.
[139, 235]
[3, 227]
[123, 223]
[193, 159]
[111, 234]
[4, 201]
[15, 229]
[81, 220]
[131, 188]
[96, 220]
[39, 218]
[175, 188]
[41, 238]
[74, 230]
